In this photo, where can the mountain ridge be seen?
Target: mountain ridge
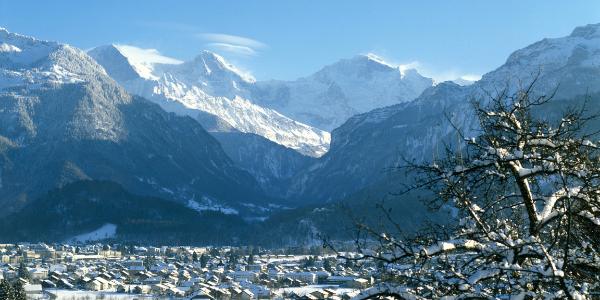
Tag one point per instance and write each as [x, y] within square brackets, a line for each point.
[64, 119]
[208, 85]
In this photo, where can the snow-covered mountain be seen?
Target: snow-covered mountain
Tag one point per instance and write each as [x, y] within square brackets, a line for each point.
[570, 62]
[276, 110]
[348, 87]
[207, 88]
[63, 119]
[370, 143]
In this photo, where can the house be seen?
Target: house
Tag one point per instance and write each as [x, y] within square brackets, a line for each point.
[202, 294]
[65, 284]
[244, 276]
[275, 274]
[33, 291]
[306, 277]
[39, 273]
[340, 280]
[358, 283]
[99, 284]
[256, 267]
[322, 276]
[134, 266]
[244, 294]
[321, 294]
[153, 280]
[47, 284]
[219, 293]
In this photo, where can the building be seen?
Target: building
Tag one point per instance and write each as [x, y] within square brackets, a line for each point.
[244, 276]
[306, 277]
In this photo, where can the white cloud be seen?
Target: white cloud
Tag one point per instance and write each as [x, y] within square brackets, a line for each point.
[142, 55]
[409, 66]
[235, 49]
[233, 44]
[471, 77]
[232, 39]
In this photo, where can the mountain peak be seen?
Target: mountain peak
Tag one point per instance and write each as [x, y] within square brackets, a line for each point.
[23, 50]
[372, 57]
[116, 64]
[212, 62]
[374, 62]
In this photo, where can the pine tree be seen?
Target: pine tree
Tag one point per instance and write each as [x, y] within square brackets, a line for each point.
[23, 272]
[203, 260]
[6, 290]
[327, 265]
[19, 291]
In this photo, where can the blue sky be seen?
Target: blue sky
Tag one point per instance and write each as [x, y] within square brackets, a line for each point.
[289, 39]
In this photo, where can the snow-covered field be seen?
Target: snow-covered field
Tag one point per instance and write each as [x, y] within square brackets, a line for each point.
[106, 231]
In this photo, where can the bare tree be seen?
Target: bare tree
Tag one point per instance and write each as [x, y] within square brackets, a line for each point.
[527, 193]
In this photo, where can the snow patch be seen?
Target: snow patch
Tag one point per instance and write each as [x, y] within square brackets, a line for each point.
[105, 232]
[208, 204]
[4, 47]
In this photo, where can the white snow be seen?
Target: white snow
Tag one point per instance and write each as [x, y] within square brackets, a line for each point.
[305, 290]
[548, 58]
[32, 63]
[106, 231]
[339, 91]
[207, 204]
[211, 85]
[143, 60]
[4, 47]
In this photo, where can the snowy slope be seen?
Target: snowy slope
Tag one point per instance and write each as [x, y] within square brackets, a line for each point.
[27, 61]
[571, 62]
[290, 113]
[332, 95]
[106, 231]
[206, 85]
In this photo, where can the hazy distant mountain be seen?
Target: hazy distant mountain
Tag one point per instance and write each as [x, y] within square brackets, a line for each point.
[63, 119]
[348, 87]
